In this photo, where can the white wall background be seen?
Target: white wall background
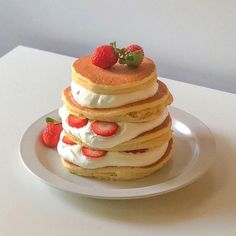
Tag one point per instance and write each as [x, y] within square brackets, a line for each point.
[192, 41]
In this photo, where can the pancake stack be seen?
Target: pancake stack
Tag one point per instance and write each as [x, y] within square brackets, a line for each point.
[116, 124]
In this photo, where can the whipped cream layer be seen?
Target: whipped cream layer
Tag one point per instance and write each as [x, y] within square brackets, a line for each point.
[90, 99]
[125, 132]
[73, 153]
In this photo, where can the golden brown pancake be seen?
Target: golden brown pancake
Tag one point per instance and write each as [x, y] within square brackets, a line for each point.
[120, 173]
[116, 75]
[116, 80]
[140, 111]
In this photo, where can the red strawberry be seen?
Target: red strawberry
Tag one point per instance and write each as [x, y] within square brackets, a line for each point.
[104, 128]
[135, 48]
[88, 152]
[134, 56]
[137, 151]
[76, 122]
[51, 133]
[104, 56]
[66, 140]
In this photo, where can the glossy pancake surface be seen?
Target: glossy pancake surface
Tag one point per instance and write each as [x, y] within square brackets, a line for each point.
[116, 75]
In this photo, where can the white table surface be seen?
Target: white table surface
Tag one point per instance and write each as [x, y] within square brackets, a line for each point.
[31, 82]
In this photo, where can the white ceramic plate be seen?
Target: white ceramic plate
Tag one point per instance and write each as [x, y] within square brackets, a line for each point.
[194, 152]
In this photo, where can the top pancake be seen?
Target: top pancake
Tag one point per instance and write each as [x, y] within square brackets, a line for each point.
[115, 80]
[117, 74]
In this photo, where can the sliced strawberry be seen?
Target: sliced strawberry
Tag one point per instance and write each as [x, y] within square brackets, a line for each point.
[104, 128]
[137, 151]
[88, 152]
[76, 122]
[66, 140]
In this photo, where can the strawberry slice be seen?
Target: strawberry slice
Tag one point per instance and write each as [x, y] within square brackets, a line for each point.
[92, 153]
[137, 151]
[66, 140]
[103, 128]
[76, 122]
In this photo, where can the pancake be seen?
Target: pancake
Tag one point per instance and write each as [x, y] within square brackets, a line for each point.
[116, 80]
[149, 139]
[140, 111]
[134, 144]
[120, 173]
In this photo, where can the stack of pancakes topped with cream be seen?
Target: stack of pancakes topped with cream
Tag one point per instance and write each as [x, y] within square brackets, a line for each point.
[116, 124]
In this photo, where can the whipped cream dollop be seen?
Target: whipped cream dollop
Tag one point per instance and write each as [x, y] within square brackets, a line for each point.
[125, 132]
[73, 153]
[90, 99]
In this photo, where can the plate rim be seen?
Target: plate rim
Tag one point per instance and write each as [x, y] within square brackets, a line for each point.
[51, 179]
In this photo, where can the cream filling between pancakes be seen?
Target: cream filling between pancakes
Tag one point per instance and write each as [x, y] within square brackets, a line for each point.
[91, 99]
[73, 153]
[125, 132]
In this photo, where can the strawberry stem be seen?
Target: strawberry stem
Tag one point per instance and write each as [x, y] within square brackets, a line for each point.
[113, 44]
[51, 120]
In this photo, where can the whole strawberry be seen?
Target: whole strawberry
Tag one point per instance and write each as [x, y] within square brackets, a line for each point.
[133, 56]
[134, 48]
[104, 56]
[51, 134]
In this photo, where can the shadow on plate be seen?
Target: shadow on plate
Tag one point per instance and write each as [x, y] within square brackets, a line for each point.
[183, 205]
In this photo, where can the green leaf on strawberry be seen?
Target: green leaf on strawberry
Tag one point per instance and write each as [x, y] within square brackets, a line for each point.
[51, 133]
[51, 120]
[133, 59]
[106, 56]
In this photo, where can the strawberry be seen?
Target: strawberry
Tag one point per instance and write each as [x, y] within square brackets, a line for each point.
[103, 128]
[92, 153]
[76, 122]
[134, 48]
[66, 140]
[134, 55]
[104, 56]
[51, 133]
[137, 151]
